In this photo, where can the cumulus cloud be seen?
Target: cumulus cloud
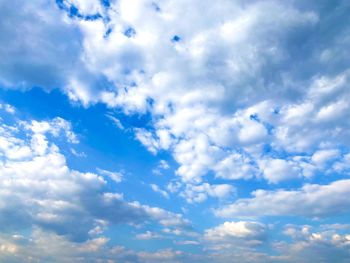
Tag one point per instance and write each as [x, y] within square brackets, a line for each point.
[188, 83]
[44, 246]
[38, 189]
[232, 230]
[312, 200]
[331, 246]
[239, 90]
[199, 193]
[164, 217]
[207, 83]
[233, 239]
[276, 170]
[239, 241]
[55, 127]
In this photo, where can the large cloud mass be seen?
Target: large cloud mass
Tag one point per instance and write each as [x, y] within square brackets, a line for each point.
[235, 91]
[38, 189]
[223, 84]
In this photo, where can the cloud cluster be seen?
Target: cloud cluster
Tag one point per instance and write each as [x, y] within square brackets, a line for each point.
[38, 189]
[238, 91]
[43, 246]
[312, 200]
[331, 246]
[68, 211]
[240, 242]
[241, 90]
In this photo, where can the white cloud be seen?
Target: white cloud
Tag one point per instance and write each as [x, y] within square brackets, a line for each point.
[157, 189]
[165, 255]
[146, 138]
[210, 93]
[78, 154]
[147, 236]
[309, 244]
[236, 241]
[7, 107]
[252, 132]
[47, 246]
[189, 110]
[199, 193]
[163, 165]
[174, 186]
[55, 127]
[115, 176]
[244, 90]
[343, 165]
[312, 200]
[187, 242]
[276, 170]
[240, 229]
[322, 156]
[116, 121]
[235, 166]
[38, 189]
[164, 217]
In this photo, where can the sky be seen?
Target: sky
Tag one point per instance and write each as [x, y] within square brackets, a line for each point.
[163, 131]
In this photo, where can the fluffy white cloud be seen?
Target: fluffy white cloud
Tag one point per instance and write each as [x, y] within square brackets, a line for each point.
[321, 157]
[331, 246]
[240, 229]
[47, 246]
[194, 75]
[235, 166]
[276, 170]
[7, 107]
[312, 200]
[117, 177]
[199, 193]
[239, 90]
[239, 242]
[343, 165]
[146, 138]
[164, 217]
[54, 127]
[228, 88]
[236, 242]
[38, 189]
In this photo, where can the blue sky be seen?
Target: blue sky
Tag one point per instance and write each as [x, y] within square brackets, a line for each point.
[174, 131]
